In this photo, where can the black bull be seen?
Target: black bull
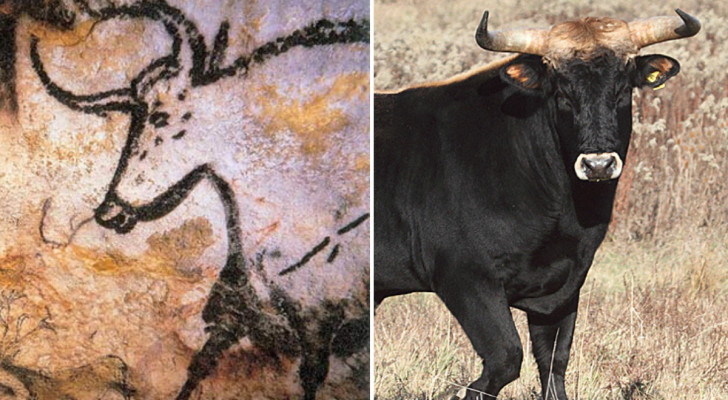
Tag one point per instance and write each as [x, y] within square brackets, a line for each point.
[480, 197]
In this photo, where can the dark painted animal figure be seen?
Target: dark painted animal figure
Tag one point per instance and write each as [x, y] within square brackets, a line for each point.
[494, 189]
[309, 313]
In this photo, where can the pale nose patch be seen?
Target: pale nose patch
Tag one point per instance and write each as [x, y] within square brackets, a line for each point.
[598, 166]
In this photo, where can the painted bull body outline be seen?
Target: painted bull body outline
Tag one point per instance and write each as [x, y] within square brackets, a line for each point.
[233, 309]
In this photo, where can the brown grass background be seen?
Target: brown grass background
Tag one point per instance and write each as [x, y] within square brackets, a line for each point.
[653, 320]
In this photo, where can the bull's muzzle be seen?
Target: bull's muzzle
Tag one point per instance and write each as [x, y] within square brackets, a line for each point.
[597, 167]
[116, 214]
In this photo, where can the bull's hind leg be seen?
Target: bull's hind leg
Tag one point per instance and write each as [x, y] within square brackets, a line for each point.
[331, 337]
[545, 333]
[482, 310]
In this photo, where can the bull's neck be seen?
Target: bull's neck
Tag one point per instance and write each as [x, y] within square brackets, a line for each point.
[232, 216]
[593, 201]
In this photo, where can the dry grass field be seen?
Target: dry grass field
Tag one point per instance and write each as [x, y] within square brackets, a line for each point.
[653, 320]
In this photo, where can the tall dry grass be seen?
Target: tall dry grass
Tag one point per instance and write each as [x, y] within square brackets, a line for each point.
[653, 320]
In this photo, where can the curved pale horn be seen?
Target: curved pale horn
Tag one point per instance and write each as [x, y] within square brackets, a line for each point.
[529, 41]
[645, 32]
[98, 103]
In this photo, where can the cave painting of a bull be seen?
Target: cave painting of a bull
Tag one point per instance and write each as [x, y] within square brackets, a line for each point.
[495, 188]
[298, 294]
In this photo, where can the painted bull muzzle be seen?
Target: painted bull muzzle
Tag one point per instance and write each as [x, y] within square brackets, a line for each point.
[116, 214]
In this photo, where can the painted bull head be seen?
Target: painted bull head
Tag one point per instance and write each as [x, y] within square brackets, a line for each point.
[143, 100]
[589, 68]
[168, 102]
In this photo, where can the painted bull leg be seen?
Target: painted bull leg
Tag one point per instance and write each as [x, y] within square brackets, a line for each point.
[545, 333]
[232, 305]
[483, 313]
[206, 360]
[316, 352]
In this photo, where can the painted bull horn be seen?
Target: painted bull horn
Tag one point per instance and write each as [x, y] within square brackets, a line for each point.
[99, 103]
[649, 31]
[529, 41]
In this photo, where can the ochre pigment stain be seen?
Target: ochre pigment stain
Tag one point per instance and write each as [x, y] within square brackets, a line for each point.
[170, 254]
[315, 120]
[56, 37]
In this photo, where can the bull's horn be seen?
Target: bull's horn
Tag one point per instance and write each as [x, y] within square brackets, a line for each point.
[529, 41]
[645, 32]
[99, 103]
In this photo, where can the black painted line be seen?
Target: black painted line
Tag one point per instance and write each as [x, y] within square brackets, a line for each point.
[333, 254]
[353, 224]
[8, 95]
[306, 258]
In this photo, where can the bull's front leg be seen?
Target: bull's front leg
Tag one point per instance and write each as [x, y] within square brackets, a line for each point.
[551, 339]
[481, 308]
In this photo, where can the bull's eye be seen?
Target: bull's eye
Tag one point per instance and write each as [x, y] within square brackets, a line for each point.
[159, 119]
[564, 104]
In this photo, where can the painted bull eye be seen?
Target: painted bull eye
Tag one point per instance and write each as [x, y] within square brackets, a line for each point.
[159, 119]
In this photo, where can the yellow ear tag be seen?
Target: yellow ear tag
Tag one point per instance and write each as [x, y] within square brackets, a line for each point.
[651, 78]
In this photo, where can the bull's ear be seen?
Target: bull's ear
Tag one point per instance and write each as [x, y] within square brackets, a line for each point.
[526, 73]
[654, 70]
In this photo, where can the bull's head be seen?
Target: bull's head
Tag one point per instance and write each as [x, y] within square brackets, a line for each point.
[587, 69]
[157, 100]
